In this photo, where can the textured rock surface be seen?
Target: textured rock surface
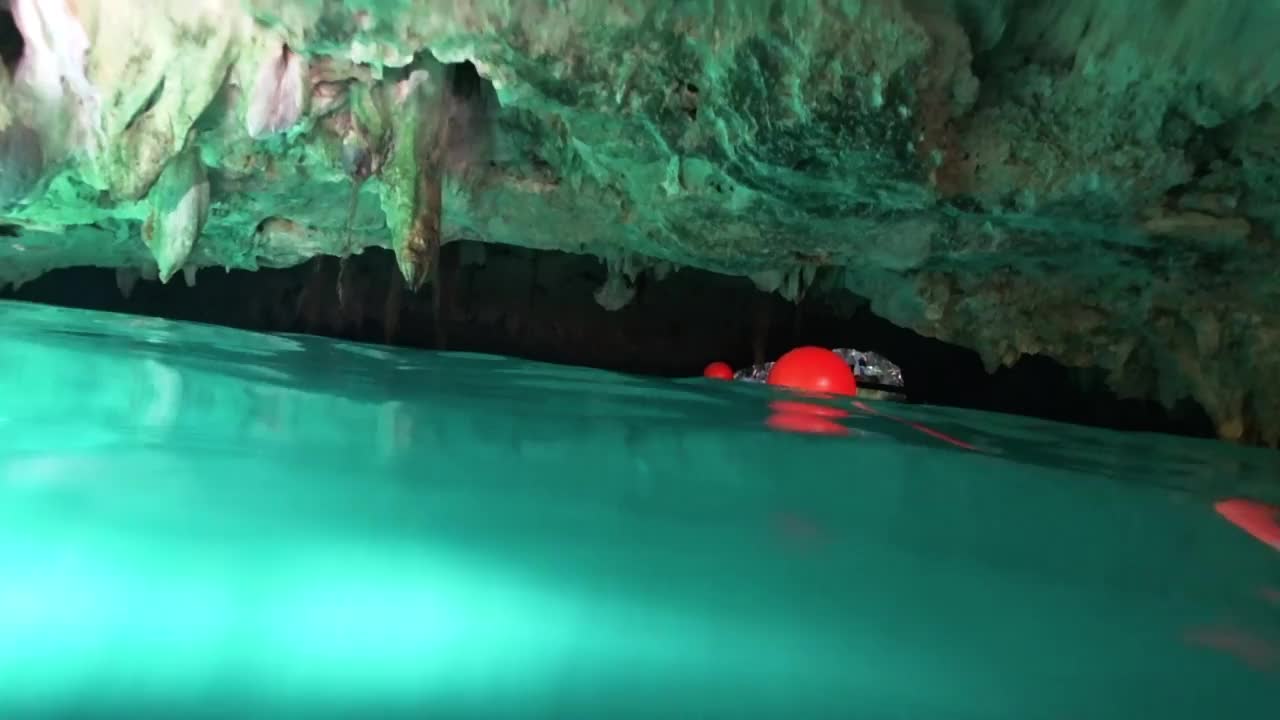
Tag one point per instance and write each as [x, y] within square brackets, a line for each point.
[1098, 182]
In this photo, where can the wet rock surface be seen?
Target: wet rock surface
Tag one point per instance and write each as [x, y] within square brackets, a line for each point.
[1096, 182]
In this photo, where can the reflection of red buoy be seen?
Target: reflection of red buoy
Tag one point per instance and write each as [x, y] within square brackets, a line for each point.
[718, 371]
[797, 407]
[805, 417]
[1255, 518]
[803, 422]
[814, 369]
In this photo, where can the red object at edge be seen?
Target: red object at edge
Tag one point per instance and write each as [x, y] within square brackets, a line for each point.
[1255, 518]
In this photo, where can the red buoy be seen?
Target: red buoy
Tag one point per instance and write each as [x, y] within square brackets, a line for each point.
[814, 369]
[1259, 520]
[718, 371]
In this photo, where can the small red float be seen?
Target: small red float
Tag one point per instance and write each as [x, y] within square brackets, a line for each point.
[718, 371]
[815, 370]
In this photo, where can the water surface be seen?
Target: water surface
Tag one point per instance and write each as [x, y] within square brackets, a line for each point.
[211, 521]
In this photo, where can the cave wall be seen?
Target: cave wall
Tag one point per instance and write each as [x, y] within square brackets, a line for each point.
[1094, 182]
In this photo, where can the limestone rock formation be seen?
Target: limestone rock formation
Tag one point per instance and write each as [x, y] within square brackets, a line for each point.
[1093, 180]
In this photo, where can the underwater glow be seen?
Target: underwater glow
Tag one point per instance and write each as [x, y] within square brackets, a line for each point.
[194, 518]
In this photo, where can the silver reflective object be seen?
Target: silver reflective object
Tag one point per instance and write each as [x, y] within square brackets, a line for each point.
[872, 367]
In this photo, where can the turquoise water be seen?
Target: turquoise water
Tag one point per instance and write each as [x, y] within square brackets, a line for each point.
[205, 521]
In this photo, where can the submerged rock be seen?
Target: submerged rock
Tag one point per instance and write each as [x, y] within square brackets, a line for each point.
[1045, 178]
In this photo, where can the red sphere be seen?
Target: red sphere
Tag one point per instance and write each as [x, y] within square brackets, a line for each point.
[718, 371]
[814, 369]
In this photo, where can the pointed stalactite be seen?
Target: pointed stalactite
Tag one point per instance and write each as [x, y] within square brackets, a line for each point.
[422, 246]
[409, 182]
[432, 139]
[445, 113]
[179, 204]
[126, 280]
[619, 287]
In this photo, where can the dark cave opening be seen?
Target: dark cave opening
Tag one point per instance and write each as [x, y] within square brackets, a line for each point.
[539, 305]
[12, 45]
[464, 80]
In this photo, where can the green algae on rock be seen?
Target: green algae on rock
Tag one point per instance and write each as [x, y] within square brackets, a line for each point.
[1020, 178]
